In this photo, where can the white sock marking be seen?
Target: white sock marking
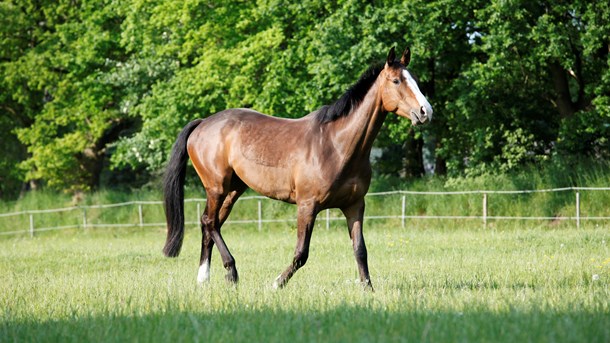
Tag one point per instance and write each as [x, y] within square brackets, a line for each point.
[276, 283]
[204, 272]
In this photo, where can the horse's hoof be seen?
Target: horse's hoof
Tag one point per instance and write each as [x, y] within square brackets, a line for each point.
[232, 276]
[277, 284]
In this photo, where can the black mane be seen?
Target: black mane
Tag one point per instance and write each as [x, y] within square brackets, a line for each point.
[351, 98]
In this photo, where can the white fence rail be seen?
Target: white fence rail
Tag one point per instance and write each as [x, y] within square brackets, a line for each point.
[85, 223]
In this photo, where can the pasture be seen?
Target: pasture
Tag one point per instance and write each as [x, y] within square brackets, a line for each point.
[523, 282]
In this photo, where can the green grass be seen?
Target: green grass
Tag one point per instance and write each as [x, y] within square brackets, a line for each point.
[435, 280]
[433, 284]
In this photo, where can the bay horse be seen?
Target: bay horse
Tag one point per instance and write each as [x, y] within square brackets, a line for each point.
[317, 162]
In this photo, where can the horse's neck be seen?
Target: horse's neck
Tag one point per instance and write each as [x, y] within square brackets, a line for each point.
[355, 133]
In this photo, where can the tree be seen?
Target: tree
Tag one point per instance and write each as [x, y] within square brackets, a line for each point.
[537, 74]
[56, 79]
[17, 103]
[100, 89]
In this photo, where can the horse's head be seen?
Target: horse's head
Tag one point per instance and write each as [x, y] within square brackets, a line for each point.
[399, 91]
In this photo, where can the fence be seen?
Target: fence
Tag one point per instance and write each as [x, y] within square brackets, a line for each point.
[83, 213]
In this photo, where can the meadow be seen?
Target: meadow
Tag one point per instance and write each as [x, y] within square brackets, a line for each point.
[435, 280]
[522, 283]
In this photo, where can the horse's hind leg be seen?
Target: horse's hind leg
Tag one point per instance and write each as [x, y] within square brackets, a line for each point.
[211, 222]
[237, 189]
[206, 251]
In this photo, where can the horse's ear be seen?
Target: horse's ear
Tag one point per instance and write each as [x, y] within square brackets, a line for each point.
[406, 57]
[391, 57]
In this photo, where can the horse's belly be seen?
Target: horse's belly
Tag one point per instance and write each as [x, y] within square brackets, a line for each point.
[269, 181]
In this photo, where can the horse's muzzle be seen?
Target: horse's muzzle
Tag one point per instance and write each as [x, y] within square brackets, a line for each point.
[421, 116]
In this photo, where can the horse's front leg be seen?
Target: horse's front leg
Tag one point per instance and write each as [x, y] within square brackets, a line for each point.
[306, 217]
[354, 215]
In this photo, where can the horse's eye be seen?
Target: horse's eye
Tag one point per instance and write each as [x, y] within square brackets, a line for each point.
[396, 81]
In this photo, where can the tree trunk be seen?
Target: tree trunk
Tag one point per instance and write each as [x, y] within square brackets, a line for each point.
[413, 156]
[440, 166]
[93, 158]
[563, 101]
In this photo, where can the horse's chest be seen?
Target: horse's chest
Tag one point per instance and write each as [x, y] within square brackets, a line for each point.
[348, 191]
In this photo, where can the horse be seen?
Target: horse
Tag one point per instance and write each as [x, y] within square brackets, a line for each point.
[318, 161]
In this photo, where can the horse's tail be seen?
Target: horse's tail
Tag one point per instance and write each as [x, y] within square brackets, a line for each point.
[173, 191]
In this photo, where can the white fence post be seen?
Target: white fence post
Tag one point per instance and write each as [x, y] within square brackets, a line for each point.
[31, 225]
[327, 219]
[578, 209]
[198, 212]
[260, 216]
[485, 209]
[140, 215]
[402, 211]
[84, 218]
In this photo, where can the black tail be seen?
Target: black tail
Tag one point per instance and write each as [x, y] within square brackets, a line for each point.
[173, 192]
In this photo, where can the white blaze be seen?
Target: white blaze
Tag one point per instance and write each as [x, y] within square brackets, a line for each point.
[421, 99]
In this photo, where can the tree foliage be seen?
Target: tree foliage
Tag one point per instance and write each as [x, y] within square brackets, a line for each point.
[93, 89]
[537, 78]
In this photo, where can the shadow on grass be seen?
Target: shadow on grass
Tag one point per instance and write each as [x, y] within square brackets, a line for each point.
[341, 324]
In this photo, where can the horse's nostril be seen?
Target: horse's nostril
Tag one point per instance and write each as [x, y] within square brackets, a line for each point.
[422, 111]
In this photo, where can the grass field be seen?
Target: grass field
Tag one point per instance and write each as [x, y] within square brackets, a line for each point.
[525, 283]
